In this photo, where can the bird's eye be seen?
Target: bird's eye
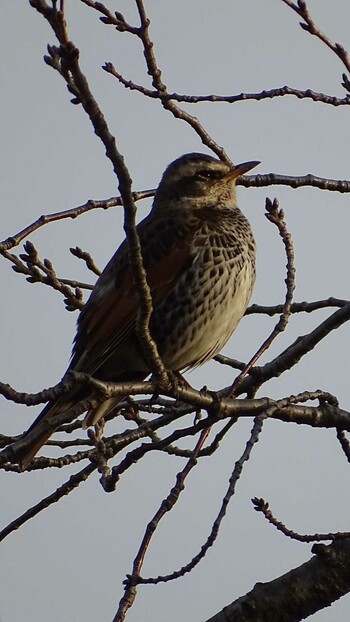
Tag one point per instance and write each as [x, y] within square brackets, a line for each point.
[206, 173]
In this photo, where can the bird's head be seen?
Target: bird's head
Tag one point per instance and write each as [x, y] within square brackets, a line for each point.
[199, 176]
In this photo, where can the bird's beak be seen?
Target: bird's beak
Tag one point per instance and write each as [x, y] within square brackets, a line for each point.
[240, 169]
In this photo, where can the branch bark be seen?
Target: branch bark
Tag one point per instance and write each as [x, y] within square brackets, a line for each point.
[298, 593]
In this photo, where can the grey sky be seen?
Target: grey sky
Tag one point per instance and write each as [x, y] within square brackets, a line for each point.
[69, 562]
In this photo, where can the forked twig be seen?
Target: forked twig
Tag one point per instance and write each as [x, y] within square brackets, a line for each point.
[236, 473]
[166, 506]
[310, 26]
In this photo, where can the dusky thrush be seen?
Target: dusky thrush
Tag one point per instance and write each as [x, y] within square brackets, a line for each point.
[199, 255]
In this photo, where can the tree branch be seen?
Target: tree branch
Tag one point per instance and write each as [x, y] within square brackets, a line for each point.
[298, 593]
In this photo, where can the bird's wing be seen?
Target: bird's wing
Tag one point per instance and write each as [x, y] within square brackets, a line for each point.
[109, 316]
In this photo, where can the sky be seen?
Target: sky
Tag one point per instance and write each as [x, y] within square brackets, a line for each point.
[69, 562]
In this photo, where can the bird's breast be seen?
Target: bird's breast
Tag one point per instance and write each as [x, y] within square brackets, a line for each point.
[197, 316]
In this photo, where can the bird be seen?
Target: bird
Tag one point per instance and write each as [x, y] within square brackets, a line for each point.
[199, 255]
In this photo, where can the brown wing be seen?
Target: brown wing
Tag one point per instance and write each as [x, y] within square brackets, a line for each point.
[109, 316]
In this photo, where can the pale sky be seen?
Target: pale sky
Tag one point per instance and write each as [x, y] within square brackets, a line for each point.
[69, 562]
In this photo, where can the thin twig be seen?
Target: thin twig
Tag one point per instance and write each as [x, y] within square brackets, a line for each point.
[74, 212]
[65, 60]
[85, 256]
[71, 484]
[301, 346]
[230, 99]
[166, 506]
[310, 26]
[344, 443]
[260, 505]
[153, 70]
[237, 471]
[298, 307]
[276, 216]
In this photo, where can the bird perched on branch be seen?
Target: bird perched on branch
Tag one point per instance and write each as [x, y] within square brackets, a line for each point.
[199, 256]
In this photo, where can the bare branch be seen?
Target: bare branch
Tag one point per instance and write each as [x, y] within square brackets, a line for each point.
[38, 271]
[301, 346]
[74, 212]
[310, 26]
[65, 60]
[298, 307]
[260, 505]
[231, 99]
[298, 593]
[177, 412]
[271, 179]
[161, 89]
[85, 256]
[327, 415]
[344, 443]
[66, 488]
[237, 471]
[276, 216]
[166, 506]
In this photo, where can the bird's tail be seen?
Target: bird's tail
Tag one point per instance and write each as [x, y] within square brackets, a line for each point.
[94, 415]
[26, 448]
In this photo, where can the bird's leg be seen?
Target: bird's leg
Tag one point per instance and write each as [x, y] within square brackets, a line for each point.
[180, 380]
